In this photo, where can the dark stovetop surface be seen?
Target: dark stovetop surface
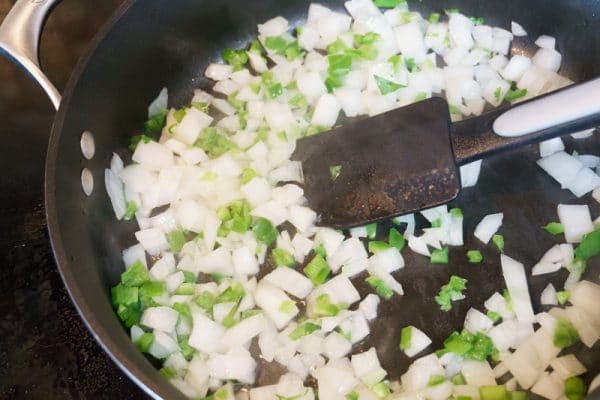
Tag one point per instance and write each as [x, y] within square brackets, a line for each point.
[45, 350]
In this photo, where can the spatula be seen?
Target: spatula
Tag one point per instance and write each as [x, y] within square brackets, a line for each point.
[407, 159]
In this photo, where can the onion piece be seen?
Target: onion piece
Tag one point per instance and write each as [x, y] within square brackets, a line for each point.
[351, 256]
[548, 59]
[567, 366]
[153, 240]
[243, 332]
[517, 29]
[586, 296]
[368, 306]
[303, 218]
[418, 245]
[331, 241]
[549, 386]
[418, 342]
[206, 334]
[561, 166]
[162, 346]
[488, 226]
[476, 321]
[367, 368]
[336, 346]
[594, 384]
[478, 373]
[290, 281]
[388, 260]
[133, 254]
[326, 111]
[509, 334]
[159, 103]
[218, 72]
[576, 221]
[516, 282]
[116, 193]
[334, 381]
[194, 121]
[270, 299]
[551, 146]
[550, 262]
[548, 295]
[584, 182]
[237, 364]
[546, 42]
[498, 304]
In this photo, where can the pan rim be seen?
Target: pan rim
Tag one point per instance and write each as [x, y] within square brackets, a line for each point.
[78, 299]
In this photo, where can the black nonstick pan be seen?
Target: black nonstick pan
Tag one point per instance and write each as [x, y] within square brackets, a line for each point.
[151, 44]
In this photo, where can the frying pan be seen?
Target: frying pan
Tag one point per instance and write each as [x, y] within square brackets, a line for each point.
[150, 44]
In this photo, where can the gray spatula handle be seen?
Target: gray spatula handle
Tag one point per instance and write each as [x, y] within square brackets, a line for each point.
[565, 111]
[573, 103]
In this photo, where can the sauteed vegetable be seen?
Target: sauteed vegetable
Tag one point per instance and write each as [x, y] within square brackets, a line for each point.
[236, 258]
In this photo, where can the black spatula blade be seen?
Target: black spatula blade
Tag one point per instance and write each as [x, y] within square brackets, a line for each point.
[392, 164]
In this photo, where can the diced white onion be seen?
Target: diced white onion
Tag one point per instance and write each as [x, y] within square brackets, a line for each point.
[469, 173]
[159, 103]
[548, 295]
[160, 318]
[576, 221]
[517, 29]
[488, 226]
[418, 342]
[290, 281]
[516, 283]
[476, 321]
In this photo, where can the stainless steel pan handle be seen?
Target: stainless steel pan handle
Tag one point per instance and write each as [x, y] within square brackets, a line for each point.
[19, 40]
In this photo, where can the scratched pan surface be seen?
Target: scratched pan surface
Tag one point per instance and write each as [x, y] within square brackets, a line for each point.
[154, 43]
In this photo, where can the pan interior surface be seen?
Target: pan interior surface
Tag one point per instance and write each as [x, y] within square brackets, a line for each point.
[151, 44]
